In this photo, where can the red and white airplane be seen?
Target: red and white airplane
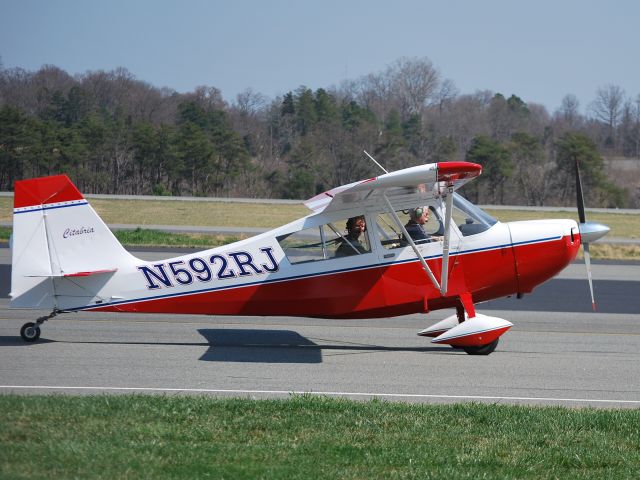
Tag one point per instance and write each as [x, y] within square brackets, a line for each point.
[65, 259]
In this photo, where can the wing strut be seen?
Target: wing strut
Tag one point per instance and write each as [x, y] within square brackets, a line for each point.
[444, 275]
[410, 240]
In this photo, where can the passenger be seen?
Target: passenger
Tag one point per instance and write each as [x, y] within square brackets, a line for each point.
[417, 218]
[351, 244]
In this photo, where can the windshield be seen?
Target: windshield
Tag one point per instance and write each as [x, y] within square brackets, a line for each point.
[469, 218]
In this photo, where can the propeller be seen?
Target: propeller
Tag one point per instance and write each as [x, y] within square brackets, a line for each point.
[589, 232]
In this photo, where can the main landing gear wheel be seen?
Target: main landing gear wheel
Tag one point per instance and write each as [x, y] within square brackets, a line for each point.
[482, 349]
[30, 332]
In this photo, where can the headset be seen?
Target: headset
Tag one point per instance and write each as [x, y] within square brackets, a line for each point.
[352, 221]
[417, 212]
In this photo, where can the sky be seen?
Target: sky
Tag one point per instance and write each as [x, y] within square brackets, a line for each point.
[540, 50]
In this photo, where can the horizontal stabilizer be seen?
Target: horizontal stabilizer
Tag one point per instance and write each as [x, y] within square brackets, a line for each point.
[75, 274]
[88, 274]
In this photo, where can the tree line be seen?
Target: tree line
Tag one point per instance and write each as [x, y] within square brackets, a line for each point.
[112, 133]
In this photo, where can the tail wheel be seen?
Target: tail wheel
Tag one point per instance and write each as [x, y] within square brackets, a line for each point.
[482, 349]
[30, 332]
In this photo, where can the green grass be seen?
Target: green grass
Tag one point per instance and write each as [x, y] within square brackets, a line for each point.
[5, 233]
[155, 238]
[152, 238]
[196, 213]
[308, 437]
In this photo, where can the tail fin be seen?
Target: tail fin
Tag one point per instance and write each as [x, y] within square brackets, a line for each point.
[56, 234]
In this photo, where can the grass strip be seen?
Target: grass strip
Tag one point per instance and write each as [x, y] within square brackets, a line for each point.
[304, 437]
[174, 212]
[262, 215]
[5, 233]
[612, 251]
[154, 238]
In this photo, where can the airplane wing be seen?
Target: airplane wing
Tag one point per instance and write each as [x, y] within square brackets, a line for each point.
[407, 187]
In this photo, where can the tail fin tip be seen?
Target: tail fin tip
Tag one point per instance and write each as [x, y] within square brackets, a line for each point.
[45, 190]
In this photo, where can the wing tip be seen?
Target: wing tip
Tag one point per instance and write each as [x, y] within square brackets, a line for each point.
[451, 171]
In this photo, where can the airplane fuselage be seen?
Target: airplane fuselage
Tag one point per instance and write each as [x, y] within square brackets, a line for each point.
[255, 277]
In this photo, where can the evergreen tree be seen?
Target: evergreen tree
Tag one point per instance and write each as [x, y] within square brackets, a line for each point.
[496, 165]
[302, 175]
[326, 108]
[533, 171]
[306, 116]
[576, 147]
[15, 143]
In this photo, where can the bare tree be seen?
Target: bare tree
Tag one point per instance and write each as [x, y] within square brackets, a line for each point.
[415, 81]
[374, 91]
[636, 118]
[209, 98]
[569, 113]
[99, 85]
[463, 119]
[249, 102]
[30, 91]
[446, 93]
[629, 130]
[47, 82]
[607, 108]
[537, 121]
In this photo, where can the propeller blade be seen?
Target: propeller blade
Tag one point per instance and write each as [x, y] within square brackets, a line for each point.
[588, 232]
[580, 197]
[587, 262]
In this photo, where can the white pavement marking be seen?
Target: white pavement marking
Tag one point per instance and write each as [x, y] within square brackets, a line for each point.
[333, 394]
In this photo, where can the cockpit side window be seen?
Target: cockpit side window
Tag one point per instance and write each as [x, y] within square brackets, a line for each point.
[342, 238]
[391, 235]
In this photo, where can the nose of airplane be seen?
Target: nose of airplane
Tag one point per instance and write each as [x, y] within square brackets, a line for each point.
[542, 248]
[591, 231]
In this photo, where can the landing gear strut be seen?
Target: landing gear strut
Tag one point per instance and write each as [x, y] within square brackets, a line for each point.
[30, 331]
[475, 333]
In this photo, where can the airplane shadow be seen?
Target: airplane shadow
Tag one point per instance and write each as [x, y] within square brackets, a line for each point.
[252, 346]
[263, 346]
[16, 341]
[281, 346]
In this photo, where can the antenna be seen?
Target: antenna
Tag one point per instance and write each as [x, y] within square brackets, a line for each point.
[374, 161]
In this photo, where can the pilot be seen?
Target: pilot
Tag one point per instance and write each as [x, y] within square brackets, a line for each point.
[415, 226]
[355, 227]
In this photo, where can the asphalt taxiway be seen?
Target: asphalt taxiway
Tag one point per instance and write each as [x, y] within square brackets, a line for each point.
[558, 352]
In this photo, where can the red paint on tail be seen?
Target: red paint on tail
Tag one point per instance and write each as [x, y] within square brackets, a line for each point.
[44, 190]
